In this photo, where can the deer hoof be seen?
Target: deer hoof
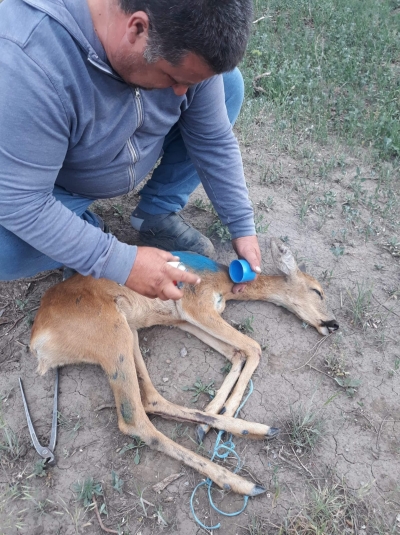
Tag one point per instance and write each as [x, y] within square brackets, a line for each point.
[200, 434]
[272, 433]
[257, 489]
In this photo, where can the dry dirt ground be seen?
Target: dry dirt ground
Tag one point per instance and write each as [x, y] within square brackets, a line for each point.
[360, 440]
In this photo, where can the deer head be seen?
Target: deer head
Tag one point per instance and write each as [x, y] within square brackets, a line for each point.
[300, 293]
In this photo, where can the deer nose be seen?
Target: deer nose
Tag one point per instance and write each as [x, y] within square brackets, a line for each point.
[332, 325]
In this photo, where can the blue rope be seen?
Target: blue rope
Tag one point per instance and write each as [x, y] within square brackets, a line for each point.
[229, 448]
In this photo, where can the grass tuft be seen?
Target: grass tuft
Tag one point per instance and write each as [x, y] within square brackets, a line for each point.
[305, 427]
[359, 304]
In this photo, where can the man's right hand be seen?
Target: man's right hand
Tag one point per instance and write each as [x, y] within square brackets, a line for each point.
[152, 276]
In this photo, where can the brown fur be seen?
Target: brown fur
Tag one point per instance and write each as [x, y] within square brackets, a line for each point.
[96, 321]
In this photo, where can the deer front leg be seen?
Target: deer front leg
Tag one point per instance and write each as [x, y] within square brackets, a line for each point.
[154, 403]
[242, 351]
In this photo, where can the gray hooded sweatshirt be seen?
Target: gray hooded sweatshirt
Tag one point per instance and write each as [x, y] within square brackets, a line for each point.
[67, 118]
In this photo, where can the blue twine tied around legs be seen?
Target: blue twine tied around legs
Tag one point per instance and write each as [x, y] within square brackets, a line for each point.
[229, 448]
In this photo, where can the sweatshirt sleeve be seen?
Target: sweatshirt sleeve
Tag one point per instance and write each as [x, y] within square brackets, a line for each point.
[215, 152]
[34, 139]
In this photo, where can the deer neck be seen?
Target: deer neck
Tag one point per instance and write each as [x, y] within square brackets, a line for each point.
[272, 288]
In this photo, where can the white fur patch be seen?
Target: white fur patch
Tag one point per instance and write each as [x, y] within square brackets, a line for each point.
[218, 302]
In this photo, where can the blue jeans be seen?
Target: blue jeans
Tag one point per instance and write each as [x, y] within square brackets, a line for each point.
[167, 191]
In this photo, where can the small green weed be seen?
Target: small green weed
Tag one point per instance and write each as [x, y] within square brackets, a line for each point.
[71, 424]
[348, 384]
[266, 205]
[12, 517]
[226, 368]
[43, 507]
[261, 226]
[336, 368]
[284, 239]
[39, 469]
[206, 206]
[87, 490]
[10, 447]
[219, 229]
[304, 208]
[136, 445]
[337, 250]
[117, 482]
[159, 515]
[179, 431]
[306, 427]
[359, 303]
[393, 246]
[118, 210]
[327, 276]
[245, 326]
[21, 304]
[200, 388]
[256, 526]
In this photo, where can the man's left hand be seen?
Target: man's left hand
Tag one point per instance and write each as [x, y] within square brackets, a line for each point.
[247, 247]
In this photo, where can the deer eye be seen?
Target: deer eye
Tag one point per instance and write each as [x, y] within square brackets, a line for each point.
[317, 292]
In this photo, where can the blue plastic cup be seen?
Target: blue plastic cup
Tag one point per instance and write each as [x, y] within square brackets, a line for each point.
[240, 271]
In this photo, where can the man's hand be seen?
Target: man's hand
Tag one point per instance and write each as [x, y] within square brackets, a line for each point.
[247, 247]
[151, 276]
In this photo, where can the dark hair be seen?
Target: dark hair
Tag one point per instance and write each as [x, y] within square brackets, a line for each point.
[216, 30]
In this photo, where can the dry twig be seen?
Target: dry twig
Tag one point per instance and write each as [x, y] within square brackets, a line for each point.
[103, 527]
[158, 487]
[316, 346]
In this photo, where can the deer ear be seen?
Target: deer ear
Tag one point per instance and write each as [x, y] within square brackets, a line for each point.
[303, 268]
[283, 259]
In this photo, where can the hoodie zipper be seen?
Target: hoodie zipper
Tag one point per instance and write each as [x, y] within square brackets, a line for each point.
[103, 69]
[139, 107]
[132, 173]
[131, 148]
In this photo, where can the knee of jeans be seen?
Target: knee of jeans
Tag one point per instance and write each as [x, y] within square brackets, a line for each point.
[234, 93]
[7, 270]
[15, 266]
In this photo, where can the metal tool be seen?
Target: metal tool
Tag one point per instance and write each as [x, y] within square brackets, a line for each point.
[46, 453]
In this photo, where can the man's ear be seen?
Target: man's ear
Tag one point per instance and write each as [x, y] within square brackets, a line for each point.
[137, 26]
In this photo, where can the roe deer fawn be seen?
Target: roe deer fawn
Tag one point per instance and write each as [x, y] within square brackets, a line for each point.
[96, 321]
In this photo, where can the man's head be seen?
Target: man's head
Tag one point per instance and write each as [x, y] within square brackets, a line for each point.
[172, 43]
[215, 30]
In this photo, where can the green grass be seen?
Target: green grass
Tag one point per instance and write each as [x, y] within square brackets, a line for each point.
[200, 388]
[10, 447]
[86, 490]
[333, 68]
[331, 509]
[359, 304]
[306, 427]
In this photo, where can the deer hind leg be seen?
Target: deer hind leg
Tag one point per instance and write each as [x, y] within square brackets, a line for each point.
[242, 351]
[116, 356]
[154, 403]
